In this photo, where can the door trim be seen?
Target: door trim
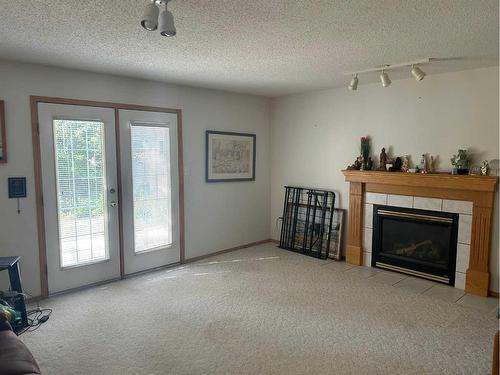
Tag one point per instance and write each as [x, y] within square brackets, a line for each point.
[37, 164]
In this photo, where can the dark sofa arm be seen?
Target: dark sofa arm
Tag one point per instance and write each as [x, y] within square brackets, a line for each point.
[15, 357]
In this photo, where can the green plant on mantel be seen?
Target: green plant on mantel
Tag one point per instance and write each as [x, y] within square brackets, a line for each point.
[461, 160]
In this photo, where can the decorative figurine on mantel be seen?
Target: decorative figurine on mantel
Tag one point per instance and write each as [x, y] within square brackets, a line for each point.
[406, 164]
[432, 165]
[423, 164]
[383, 160]
[356, 165]
[485, 166]
[369, 165]
[460, 162]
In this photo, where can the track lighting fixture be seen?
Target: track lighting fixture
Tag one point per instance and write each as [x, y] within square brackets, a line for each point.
[417, 73]
[384, 78]
[150, 17]
[153, 20]
[354, 83]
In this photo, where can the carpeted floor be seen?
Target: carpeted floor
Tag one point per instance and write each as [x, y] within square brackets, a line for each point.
[263, 310]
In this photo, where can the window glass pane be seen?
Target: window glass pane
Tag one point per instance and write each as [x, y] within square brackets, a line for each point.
[79, 159]
[151, 185]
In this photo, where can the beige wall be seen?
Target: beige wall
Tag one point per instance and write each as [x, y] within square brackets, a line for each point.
[315, 135]
[218, 215]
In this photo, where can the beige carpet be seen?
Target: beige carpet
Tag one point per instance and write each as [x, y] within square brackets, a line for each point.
[262, 310]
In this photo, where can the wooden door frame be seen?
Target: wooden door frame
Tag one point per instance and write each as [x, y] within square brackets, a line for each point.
[40, 213]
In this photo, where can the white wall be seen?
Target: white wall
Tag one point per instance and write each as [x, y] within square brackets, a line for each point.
[315, 135]
[218, 215]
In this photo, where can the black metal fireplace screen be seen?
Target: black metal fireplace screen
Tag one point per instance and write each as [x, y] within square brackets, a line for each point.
[417, 242]
[307, 221]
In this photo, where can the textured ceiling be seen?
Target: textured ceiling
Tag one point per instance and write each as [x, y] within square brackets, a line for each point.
[265, 47]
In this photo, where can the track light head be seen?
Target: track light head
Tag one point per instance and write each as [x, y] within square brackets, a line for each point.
[354, 83]
[384, 78]
[167, 26]
[149, 18]
[417, 73]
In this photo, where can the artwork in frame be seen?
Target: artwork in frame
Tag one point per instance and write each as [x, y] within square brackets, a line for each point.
[230, 156]
[336, 238]
[3, 139]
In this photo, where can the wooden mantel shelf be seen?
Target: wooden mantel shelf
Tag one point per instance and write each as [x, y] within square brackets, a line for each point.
[480, 190]
[429, 180]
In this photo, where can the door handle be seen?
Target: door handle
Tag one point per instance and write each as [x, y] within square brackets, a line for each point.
[112, 204]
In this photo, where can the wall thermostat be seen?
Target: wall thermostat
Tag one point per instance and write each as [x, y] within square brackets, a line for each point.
[17, 187]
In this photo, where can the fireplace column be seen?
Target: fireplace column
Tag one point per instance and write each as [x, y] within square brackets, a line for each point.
[354, 251]
[477, 278]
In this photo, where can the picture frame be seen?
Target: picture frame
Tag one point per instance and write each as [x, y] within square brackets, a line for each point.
[229, 156]
[3, 134]
[337, 234]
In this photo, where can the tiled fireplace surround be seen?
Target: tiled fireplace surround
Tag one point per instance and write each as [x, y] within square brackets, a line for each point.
[472, 197]
[463, 208]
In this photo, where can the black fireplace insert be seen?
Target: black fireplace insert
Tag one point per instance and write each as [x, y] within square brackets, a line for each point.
[416, 242]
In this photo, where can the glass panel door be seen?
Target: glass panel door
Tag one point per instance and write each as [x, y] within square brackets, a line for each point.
[149, 179]
[78, 155]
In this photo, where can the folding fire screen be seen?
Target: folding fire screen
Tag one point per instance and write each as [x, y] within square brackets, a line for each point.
[307, 221]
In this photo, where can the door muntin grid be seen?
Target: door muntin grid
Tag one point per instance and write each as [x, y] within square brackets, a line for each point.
[80, 165]
[152, 186]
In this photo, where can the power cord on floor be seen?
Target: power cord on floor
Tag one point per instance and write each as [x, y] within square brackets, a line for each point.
[36, 318]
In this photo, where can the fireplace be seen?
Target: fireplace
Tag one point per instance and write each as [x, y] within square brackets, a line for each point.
[416, 242]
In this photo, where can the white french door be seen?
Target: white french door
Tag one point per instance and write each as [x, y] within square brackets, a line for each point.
[79, 177]
[80, 192]
[150, 189]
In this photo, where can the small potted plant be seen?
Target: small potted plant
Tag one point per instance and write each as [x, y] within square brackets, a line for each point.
[460, 162]
[365, 152]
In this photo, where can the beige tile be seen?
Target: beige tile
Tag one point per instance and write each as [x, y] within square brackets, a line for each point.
[463, 255]
[464, 228]
[368, 216]
[376, 198]
[415, 284]
[460, 280]
[432, 204]
[445, 293]
[459, 207]
[367, 240]
[399, 200]
[363, 272]
[485, 304]
[386, 277]
[367, 259]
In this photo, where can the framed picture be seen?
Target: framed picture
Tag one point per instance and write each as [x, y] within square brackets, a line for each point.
[3, 138]
[336, 236]
[230, 156]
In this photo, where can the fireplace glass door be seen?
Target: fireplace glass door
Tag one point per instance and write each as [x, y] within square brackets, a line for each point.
[418, 242]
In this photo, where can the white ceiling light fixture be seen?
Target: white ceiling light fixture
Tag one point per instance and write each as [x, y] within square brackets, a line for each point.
[417, 73]
[153, 20]
[354, 83]
[150, 17]
[384, 78]
[167, 27]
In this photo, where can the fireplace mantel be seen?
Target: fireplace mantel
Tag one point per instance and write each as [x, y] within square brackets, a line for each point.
[480, 190]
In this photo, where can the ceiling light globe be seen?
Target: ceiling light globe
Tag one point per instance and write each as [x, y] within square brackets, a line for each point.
[167, 26]
[354, 83]
[149, 18]
[384, 78]
[417, 73]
